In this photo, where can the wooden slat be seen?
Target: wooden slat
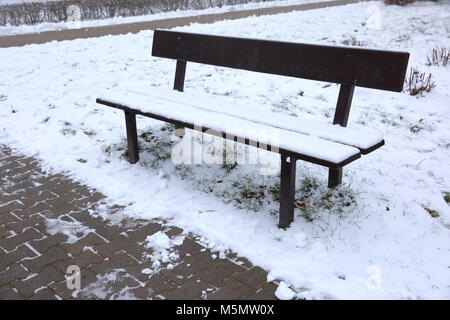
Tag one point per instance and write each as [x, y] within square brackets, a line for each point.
[369, 68]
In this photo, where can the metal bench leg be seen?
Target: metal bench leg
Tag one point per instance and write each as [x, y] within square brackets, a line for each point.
[287, 191]
[133, 150]
[178, 85]
[334, 177]
[180, 131]
[341, 114]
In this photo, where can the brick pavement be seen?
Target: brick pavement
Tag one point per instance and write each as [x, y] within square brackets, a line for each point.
[46, 225]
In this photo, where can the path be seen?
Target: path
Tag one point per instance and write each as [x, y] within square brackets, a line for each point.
[35, 38]
[38, 213]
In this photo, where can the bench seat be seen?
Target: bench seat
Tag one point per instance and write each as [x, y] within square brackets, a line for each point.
[317, 142]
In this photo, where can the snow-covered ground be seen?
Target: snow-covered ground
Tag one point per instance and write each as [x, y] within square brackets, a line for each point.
[374, 237]
[41, 27]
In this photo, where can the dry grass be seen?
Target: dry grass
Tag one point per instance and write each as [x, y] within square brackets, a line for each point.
[417, 83]
[438, 57]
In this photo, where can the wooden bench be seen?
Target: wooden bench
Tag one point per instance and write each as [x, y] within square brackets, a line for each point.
[329, 145]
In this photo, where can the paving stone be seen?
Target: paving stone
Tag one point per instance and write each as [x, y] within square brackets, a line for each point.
[118, 261]
[122, 281]
[82, 190]
[35, 221]
[65, 209]
[265, 293]
[19, 177]
[18, 187]
[89, 220]
[18, 254]
[136, 271]
[142, 232]
[231, 289]
[173, 232]
[8, 218]
[191, 248]
[28, 287]
[188, 291]
[37, 194]
[255, 277]
[5, 232]
[10, 167]
[219, 272]
[96, 196]
[7, 197]
[83, 260]
[127, 224]
[36, 208]
[44, 294]
[186, 269]
[52, 255]
[21, 168]
[242, 262]
[13, 272]
[25, 236]
[90, 240]
[154, 286]
[57, 202]
[5, 209]
[62, 290]
[64, 188]
[8, 293]
[87, 277]
[109, 232]
[189, 245]
[4, 152]
[109, 249]
[48, 242]
[138, 251]
[89, 201]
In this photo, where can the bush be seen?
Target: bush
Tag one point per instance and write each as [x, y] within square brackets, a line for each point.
[418, 82]
[56, 11]
[398, 2]
[438, 57]
[404, 2]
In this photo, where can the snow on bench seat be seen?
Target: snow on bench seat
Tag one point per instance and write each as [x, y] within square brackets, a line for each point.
[309, 138]
[227, 106]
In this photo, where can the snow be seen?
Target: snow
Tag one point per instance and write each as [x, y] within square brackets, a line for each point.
[194, 109]
[163, 251]
[212, 111]
[73, 230]
[283, 292]
[384, 245]
[51, 26]
[105, 287]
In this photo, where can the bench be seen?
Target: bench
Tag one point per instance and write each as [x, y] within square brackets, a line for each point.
[330, 145]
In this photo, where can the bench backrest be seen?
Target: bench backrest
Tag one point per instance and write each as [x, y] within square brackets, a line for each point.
[369, 68]
[349, 67]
